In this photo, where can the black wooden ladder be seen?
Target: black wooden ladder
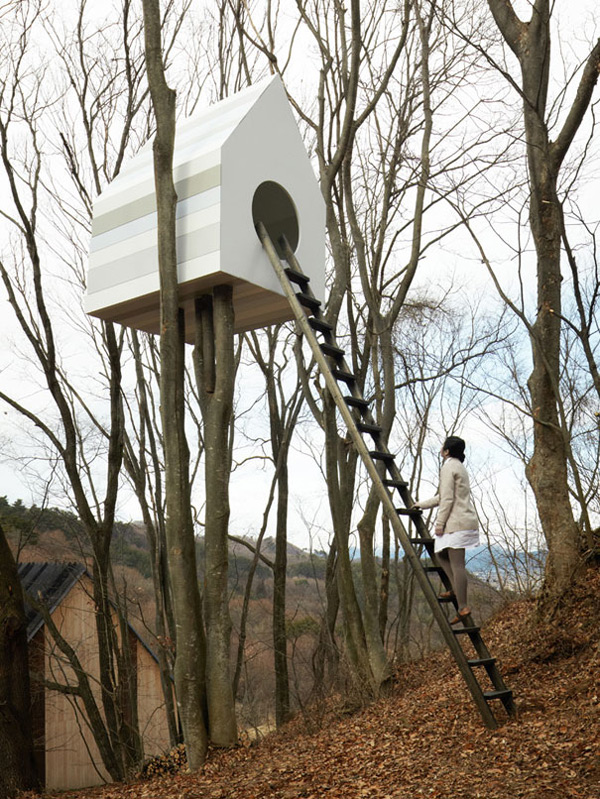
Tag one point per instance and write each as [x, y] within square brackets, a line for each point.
[359, 420]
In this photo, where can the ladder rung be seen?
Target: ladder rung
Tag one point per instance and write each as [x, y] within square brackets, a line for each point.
[320, 325]
[341, 374]
[374, 429]
[411, 512]
[356, 402]
[297, 277]
[331, 350]
[378, 455]
[498, 694]
[481, 662]
[432, 569]
[312, 303]
[465, 630]
[425, 541]
[395, 483]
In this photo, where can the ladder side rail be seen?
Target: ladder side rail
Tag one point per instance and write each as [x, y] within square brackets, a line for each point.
[295, 270]
[367, 415]
[380, 488]
[423, 532]
[479, 645]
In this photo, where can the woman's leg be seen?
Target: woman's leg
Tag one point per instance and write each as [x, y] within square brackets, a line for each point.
[456, 559]
[444, 561]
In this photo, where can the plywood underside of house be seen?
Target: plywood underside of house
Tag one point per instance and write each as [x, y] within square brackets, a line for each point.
[253, 307]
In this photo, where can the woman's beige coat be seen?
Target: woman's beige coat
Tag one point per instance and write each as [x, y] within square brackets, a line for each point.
[455, 509]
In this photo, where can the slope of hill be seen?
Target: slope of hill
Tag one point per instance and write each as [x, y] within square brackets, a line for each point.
[426, 739]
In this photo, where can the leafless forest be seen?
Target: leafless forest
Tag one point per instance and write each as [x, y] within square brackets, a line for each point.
[454, 145]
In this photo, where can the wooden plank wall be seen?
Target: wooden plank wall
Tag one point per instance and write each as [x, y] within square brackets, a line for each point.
[72, 759]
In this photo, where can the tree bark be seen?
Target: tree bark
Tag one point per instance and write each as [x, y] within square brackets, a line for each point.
[341, 470]
[190, 643]
[384, 580]
[282, 687]
[377, 655]
[283, 415]
[40, 335]
[215, 374]
[17, 763]
[137, 466]
[325, 659]
[547, 469]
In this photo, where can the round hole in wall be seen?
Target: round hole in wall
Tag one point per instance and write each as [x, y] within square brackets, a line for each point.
[274, 207]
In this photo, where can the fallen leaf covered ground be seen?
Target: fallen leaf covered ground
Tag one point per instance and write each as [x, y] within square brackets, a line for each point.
[426, 738]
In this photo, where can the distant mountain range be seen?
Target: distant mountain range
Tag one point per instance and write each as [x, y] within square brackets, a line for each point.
[498, 565]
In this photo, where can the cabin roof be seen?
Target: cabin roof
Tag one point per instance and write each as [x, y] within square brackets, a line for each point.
[49, 583]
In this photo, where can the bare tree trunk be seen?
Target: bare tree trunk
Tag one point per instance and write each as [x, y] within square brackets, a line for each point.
[127, 698]
[341, 469]
[190, 643]
[282, 687]
[215, 374]
[17, 763]
[384, 580]
[248, 591]
[40, 334]
[283, 415]
[114, 658]
[377, 656]
[155, 534]
[547, 469]
[326, 655]
[405, 589]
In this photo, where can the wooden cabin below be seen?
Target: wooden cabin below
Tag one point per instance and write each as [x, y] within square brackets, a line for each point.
[67, 754]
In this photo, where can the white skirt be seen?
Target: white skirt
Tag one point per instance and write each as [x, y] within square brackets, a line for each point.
[461, 539]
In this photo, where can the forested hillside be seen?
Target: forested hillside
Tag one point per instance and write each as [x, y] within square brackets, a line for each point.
[425, 739]
[53, 535]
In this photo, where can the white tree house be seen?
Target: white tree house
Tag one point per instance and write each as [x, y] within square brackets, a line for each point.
[238, 162]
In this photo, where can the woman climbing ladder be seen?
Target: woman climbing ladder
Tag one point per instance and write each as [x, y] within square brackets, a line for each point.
[456, 525]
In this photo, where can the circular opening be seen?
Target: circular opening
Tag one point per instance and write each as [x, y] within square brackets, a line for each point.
[274, 207]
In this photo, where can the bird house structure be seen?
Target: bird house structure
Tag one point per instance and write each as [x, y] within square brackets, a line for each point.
[238, 162]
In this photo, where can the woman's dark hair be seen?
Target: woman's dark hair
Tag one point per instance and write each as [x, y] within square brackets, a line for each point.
[455, 447]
